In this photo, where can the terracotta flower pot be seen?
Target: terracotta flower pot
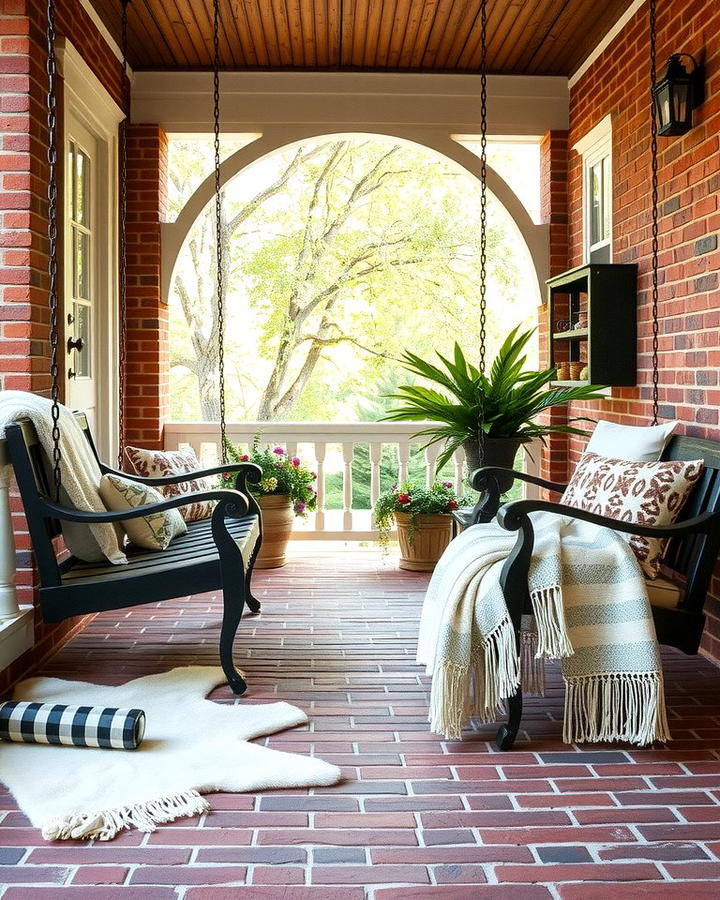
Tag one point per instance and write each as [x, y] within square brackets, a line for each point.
[277, 524]
[431, 537]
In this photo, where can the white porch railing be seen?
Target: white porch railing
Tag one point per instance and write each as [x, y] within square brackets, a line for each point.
[328, 447]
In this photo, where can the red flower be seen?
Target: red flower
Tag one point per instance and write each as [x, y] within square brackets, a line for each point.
[453, 504]
[403, 498]
[244, 457]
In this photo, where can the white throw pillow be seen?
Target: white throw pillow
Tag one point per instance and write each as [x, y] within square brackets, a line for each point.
[651, 493]
[152, 532]
[639, 443]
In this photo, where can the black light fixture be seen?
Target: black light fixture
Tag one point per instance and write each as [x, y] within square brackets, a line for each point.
[677, 93]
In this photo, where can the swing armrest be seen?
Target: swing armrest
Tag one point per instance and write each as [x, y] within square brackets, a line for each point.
[233, 505]
[245, 472]
[513, 516]
[478, 479]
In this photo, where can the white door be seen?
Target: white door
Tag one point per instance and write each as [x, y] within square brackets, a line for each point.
[81, 271]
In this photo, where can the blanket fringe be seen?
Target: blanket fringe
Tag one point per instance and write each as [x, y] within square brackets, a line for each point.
[532, 666]
[458, 694]
[621, 706]
[547, 605]
[104, 825]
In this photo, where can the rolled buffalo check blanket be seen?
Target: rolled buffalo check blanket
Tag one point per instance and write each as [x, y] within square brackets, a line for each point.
[591, 611]
[73, 726]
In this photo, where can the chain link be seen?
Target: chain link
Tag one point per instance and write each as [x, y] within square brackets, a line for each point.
[220, 287]
[483, 220]
[51, 68]
[654, 182]
[123, 237]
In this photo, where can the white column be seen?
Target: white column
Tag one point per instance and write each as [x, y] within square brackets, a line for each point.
[8, 593]
[347, 451]
[320, 484]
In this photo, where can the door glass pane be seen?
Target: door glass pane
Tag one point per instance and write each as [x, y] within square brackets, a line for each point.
[80, 359]
[82, 188]
[82, 265]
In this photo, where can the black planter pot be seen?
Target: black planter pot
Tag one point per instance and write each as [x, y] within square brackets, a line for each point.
[498, 452]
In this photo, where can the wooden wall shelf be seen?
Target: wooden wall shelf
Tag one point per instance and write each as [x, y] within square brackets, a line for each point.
[606, 294]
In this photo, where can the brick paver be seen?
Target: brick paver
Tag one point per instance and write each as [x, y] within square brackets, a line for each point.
[416, 815]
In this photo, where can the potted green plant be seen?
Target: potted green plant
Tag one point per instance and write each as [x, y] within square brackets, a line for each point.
[286, 490]
[508, 400]
[423, 519]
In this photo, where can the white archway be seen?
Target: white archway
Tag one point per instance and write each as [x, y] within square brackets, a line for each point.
[174, 234]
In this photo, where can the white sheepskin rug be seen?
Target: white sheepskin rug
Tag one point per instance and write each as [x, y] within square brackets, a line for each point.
[192, 746]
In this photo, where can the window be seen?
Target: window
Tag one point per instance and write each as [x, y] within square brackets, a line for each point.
[596, 151]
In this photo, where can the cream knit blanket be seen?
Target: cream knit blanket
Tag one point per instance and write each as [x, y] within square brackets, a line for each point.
[79, 472]
[591, 610]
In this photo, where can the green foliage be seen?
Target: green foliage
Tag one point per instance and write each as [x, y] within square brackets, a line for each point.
[281, 474]
[507, 401]
[414, 501]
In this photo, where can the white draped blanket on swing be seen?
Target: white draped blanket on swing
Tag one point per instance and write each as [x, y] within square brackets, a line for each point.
[591, 610]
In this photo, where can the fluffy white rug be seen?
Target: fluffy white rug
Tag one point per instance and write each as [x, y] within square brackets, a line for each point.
[191, 746]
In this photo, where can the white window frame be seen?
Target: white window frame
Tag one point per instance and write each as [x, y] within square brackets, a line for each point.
[594, 147]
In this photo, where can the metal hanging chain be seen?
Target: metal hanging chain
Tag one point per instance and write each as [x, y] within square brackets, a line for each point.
[220, 287]
[483, 218]
[654, 182]
[53, 242]
[123, 238]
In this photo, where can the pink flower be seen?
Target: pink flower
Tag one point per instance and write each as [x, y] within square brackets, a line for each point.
[279, 451]
[227, 476]
[296, 461]
[313, 475]
[447, 484]
[299, 507]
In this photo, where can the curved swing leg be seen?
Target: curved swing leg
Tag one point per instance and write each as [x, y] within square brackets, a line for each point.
[253, 604]
[233, 588]
[506, 734]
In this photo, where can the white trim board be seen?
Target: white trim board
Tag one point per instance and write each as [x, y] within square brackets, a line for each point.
[16, 636]
[181, 102]
[605, 42]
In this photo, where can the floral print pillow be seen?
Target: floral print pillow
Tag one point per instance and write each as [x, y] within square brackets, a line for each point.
[160, 463]
[151, 532]
[651, 493]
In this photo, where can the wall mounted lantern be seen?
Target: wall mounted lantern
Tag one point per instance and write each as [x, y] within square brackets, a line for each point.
[677, 93]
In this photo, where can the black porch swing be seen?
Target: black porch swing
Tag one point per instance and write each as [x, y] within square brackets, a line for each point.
[694, 540]
[216, 553]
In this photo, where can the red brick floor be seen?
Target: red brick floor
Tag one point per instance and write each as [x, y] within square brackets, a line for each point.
[417, 816]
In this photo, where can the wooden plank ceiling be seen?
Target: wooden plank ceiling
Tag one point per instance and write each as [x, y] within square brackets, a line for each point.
[525, 37]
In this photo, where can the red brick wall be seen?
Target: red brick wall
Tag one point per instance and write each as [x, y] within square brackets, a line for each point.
[148, 359]
[689, 176]
[23, 228]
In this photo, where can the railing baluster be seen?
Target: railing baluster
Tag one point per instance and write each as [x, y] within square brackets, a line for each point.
[320, 448]
[347, 452]
[375, 451]
[459, 460]
[403, 460]
[431, 455]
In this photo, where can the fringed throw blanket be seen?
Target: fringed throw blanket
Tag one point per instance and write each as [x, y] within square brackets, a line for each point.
[591, 611]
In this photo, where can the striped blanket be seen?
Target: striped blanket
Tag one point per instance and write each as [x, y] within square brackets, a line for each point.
[591, 611]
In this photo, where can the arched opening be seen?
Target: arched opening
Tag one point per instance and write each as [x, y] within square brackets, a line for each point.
[345, 250]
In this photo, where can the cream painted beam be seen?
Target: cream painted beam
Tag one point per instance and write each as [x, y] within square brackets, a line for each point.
[349, 101]
[8, 594]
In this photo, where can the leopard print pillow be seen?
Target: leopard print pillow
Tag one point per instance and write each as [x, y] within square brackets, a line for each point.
[159, 463]
[647, 493]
